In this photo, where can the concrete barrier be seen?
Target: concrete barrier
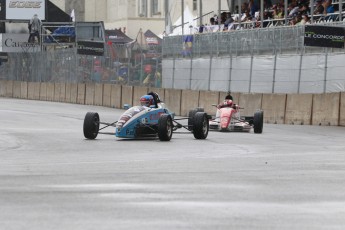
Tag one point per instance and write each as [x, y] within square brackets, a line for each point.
[116, 96]
[89, 93]
[342, 109]
[17, 89]
[98, 94]
[273, 106]
[172, 98]
[206, 99]
[106, 100]
[34, 90]
[251, 102]
[50, 91]
[43, 91]
[24, 90]
[298, 109]
[2, 88]
[326, 109]
[81, 93]
[9, 89]
[74, 93]
[138, 91]
[60, 92]
[318, 109]
[189, 100]
[127, 95]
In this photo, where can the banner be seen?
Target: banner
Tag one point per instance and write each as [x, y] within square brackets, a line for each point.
[324, 36]
[17, 43]
[22, 10]
[90, 48]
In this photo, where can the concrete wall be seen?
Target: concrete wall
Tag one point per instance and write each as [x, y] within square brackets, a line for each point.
[207, 99]
[342, 109]
[273, 106]
[189, 100]
[299, 109]
[250, 102]
[326, 109]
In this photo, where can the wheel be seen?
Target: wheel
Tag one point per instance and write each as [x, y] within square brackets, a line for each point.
[91, 125]
[165, 127]
[258, 121]
[201, 125]
[191, 115]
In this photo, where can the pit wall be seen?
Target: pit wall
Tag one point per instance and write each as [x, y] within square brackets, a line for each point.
[298, 109]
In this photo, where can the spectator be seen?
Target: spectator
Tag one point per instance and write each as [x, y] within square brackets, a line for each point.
[319, 9]
[34, 28]
[328, 7]
[293, 10]
[212, 21]
[158, 79]
[304, 9]
[277, 12]
[305, 20]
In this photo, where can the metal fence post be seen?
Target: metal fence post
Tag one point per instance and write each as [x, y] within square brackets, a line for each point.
[230, 73]
[325, 78]
[300, 73]
[251, 73]
[274, 72]
[173, 74]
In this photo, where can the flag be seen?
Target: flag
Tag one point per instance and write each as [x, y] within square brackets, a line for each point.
[73, 16]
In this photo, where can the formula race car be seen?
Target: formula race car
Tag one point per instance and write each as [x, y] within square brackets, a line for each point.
[140, 122]
[228, 118]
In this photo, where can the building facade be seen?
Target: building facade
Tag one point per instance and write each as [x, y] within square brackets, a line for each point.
[134, 16]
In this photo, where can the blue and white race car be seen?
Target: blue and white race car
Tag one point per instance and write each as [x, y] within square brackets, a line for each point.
[147, 121]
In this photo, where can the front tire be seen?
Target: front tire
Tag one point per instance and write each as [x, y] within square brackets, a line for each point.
[191, 115]
[201, 125]
[91, 125]
[165, 127]
[258, 121]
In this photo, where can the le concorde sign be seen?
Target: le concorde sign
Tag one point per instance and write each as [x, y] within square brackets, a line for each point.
[324, 36]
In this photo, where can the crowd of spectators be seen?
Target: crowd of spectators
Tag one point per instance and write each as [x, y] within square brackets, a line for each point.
[298, 13]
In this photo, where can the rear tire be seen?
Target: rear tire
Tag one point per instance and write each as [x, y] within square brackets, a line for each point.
[258, 121]
[165, 127]
[91, 125]
[191, 115]
[201, 125]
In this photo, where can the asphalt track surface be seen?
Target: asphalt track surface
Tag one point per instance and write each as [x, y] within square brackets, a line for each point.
[51, 177]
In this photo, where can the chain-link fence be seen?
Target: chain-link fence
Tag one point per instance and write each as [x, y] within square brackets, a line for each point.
[265, 41]
[131, 64]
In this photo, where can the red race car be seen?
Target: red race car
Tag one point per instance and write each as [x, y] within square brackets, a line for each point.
[228, 119]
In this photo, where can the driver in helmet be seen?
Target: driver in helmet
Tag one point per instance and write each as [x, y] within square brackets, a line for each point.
[147, 101]
[228, 102]
[156, 99]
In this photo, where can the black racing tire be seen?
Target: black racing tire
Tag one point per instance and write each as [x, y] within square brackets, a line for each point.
[165, 127]
[258, 121]
[201, 125]
[91, 125]
[191, 115]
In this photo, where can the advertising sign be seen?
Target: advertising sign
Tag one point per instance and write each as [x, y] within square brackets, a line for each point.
[22, 10]
[90, 48]
[17, 43]
[324, 36]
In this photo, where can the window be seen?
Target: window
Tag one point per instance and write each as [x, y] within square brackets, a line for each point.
[142, 8]
[195, 5]
[154, 7]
